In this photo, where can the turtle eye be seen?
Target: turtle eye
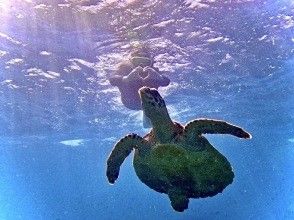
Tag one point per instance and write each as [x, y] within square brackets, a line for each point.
[156, 102]
[161, 103]
[154, 93]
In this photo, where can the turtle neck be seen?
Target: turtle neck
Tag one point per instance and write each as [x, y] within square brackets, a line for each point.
[163, 127]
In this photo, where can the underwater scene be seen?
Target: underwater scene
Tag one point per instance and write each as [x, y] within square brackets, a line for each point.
[146, 109]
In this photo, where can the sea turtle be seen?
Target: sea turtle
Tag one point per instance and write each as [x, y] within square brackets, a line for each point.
[174, 159]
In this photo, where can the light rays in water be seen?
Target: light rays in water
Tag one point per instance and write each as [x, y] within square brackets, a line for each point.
[4, 5]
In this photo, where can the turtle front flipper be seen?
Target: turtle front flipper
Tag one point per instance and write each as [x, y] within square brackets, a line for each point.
[209, 126]
[121, 150]
[178, 200]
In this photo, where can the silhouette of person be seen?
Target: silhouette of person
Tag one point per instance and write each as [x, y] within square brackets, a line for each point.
[128, 87]
[133, 74]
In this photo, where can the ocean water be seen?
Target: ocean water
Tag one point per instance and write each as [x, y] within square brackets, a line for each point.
[60, 117]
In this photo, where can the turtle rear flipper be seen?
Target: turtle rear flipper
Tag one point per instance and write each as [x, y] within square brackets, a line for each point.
[121, 150]
[178, 200]
[209, 126]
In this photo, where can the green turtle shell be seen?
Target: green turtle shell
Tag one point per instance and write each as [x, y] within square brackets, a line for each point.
[196, 173]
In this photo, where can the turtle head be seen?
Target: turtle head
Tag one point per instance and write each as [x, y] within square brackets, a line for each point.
[153, 104]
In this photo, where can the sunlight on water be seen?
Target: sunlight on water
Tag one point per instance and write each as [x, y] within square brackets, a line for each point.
[4, 5]
[60, 117]
[73, 143]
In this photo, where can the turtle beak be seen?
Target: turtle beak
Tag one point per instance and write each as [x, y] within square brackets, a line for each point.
[144, 90]
[148, 93]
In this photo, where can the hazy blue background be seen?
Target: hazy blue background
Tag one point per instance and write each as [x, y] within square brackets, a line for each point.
[60, 117]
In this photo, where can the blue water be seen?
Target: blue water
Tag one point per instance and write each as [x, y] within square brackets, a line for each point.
[60, 117]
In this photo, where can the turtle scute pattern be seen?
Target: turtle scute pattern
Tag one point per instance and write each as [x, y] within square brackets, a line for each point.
[174, 159]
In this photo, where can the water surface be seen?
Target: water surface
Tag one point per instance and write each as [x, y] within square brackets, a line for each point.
[60, 117]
